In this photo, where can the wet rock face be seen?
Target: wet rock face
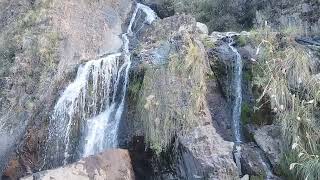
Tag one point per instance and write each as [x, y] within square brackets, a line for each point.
[112, 164]
[219, 109]
[44, 42]
[222, 60]
[222, 65]
[220, 97]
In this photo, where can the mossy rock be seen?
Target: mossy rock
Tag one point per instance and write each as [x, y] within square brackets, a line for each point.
[246, 112]
[242, 40]
[171, 95]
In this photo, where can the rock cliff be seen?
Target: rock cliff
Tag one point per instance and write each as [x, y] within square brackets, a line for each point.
[178, 114]
[42, 42]
[172, 101]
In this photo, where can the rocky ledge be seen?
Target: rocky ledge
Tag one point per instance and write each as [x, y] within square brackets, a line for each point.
[111, 165]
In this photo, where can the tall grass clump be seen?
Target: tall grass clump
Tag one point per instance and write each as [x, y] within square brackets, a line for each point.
[284, 72]
[172, 97]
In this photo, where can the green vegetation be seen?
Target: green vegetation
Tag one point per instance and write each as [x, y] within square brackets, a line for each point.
[134, 87]
[219, 15]
[241, 41]
[29, 46]
[208, 43]
[245, 113]
[247, 75]
[178, 65]
[284, 72]
[48, 49]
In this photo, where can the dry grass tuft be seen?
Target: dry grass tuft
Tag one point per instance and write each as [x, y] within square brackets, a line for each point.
[172, 97]
[284, 70]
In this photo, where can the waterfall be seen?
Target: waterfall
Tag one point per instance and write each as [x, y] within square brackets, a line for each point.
[86, 117]
[237, 92]
[237, 101]
[236, 111]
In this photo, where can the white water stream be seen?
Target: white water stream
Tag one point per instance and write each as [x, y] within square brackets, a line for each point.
[236, 111]
[237, 92]
[91, 106]
[237, 101]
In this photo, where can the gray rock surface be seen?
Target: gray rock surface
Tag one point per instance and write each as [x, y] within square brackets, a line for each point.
[110, 165]
[222, 62]
[268, 139]
[252, 160]
[205, 155]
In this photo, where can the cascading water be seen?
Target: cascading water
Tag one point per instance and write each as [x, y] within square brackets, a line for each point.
[236, 111]
[86, 117]
[237, 102]
[86, 97]
[237, 92]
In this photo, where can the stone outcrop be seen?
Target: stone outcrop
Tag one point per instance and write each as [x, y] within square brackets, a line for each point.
[253, 161]
[41, 44]
[222, 65]
[203, 154]
[172, 96]
[268, 139]
[202, 28]
[111, 165]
